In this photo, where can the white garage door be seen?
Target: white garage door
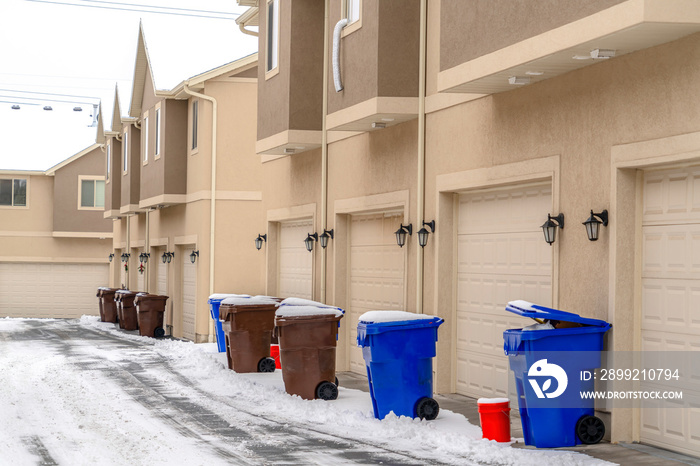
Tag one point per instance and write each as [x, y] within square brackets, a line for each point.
[671, 299]
[295, 262]
[502, 256]
[161, 275]
[377, 273]
[189, 290]
[33, 289]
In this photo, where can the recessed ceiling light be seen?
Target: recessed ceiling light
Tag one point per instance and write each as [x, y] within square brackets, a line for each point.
[289, 150]
[534, 73]
[378, 125]
[519, 80]
[602, 54]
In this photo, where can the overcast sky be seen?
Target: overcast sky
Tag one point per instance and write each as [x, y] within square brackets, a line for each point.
[80, 49]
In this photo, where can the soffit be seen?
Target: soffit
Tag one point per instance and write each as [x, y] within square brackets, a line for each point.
[627, 27]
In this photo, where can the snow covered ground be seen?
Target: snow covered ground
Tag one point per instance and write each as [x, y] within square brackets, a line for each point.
[83, 392]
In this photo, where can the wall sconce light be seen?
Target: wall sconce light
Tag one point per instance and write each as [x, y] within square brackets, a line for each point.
[593, 224]
[309, 241]
[259, 241]
[402, 232]
[550, 227]
[111, 256]
[170, 257]
[324, 237]
[193, 256]
[423, 233]
[125, 257]
[164, 257]
[143, 257]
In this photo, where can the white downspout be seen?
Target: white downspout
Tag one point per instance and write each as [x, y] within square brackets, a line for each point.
[212, 216]
[336, 52]
[324, 151]
[421, 150]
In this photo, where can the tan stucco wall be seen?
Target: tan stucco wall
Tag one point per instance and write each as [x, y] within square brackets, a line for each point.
[113, 185]
[66, 216]
[472, 28]
[175, 146]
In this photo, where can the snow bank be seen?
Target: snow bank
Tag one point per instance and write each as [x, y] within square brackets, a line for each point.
[300, 311]
[222, 296]
[392, 316]
[250, 301]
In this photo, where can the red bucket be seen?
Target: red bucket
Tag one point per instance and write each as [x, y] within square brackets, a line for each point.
[275, 354]
[494, 414]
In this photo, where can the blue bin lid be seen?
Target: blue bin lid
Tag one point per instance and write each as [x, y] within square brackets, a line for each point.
[527, 309]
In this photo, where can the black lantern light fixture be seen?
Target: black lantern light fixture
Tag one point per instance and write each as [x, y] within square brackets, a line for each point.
[309, 241]
[143, 257]
[423, 233]
[593, 224]
[170, 257]
[125, 257]
[324, 237]
[259, 241]
[402, 232]
[111, 256]
[550, 227]
[193, 256]
[164, 257]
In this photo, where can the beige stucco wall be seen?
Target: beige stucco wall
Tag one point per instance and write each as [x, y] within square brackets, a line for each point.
[113, 184]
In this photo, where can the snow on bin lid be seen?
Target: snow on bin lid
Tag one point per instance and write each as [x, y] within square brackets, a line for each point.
[491, 401]
[222, 296]
[123, 291]
[528, 309]
[240, 301]
[300, 311]
[304, 302]
[373, 317]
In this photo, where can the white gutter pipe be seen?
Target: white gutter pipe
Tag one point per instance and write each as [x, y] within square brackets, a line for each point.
[247, 31]
[324, 150]
[212, 215]
[421, 150]
[336, 53]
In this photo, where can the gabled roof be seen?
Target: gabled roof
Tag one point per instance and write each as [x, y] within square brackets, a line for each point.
[141, 67]
[227, 70]
[100, 136]
[116, 112]
[51, 171]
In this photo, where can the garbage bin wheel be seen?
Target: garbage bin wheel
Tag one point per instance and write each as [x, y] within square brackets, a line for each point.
[327, 391]
[159, 332]
[427, 409]
[266, 365]
[590, 429]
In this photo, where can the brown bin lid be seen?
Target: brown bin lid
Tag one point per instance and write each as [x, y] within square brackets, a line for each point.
[301, 314]
[149, 297]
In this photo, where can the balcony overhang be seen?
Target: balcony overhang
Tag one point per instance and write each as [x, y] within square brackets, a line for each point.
[289, 142]
[130, 209]
[628, 27]
[374, 114]
[164, 200]
[113, 214]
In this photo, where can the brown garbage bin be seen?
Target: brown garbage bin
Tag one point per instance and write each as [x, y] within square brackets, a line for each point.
[108, 308]
[126, 310]
[247, 324]
[150, 309]
[308, 337]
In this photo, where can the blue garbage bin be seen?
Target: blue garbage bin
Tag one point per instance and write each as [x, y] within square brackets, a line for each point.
[398, 348]
[547, 365]
[214, 303]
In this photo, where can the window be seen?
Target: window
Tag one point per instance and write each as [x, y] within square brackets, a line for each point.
[195, 122]
[145, 140]
[109, 160]
[352, 10]
[125, 152]
[13, 192]
[157, 152]
[272, 34]
[92, 193]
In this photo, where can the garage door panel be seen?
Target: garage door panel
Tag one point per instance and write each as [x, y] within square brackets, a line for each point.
[671, 251]
[671, 306]
[51, 290]
[672, 196]
[189, 290]
[295, 262]
[501, 257]
[673, 424]
[377, 261]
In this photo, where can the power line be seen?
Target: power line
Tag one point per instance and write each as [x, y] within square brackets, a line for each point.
[135, 10]
[162, 7]
[18, 103]
[46, 100]
[48, 93]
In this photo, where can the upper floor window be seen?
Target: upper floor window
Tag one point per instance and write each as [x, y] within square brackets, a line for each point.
[272, 34]
[157, 151]
[92, 193]
[109, 160]
[125, 152]
[352, 10]
[195, 123]
[13, 192]
[145, 139]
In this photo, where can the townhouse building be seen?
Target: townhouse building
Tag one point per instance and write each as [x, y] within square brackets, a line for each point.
[476, 122]
[54, 240]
